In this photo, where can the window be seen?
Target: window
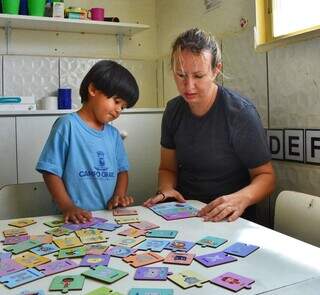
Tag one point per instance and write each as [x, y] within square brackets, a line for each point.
[283, 21]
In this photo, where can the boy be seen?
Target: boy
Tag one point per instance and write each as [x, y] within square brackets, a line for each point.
[84, 163]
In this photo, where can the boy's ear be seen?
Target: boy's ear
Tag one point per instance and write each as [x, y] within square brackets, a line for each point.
[92, 89]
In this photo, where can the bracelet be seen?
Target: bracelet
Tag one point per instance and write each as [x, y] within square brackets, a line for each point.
[161, 193]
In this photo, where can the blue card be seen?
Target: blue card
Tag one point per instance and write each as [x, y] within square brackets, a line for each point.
[108, 226]
[181, 246]
[148, 291]
[241, 249]
[162, 233]
[21, 277]
[213, 259]
[153, 245]
[45, 249]
[27, 292]
[210, 241]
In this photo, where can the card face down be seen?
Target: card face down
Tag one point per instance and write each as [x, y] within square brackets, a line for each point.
[241, 249]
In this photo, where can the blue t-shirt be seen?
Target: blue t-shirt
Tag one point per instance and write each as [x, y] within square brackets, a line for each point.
[87, 160]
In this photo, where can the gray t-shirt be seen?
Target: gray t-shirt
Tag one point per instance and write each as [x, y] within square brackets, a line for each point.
[215, 151]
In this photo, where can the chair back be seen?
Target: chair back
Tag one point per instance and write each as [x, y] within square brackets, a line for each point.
[298, 215]
[25, 200]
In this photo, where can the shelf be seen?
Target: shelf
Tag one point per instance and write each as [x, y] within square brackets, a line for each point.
[69, 25]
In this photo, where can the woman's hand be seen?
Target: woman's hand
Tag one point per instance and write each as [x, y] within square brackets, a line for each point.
[117, 201]
[76, 215]
[228, 207]
[160, 197]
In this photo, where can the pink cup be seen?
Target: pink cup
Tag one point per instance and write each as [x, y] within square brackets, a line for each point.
[97, 13]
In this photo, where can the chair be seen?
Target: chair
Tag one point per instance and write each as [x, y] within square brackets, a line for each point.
[25, 200]
[298, 215]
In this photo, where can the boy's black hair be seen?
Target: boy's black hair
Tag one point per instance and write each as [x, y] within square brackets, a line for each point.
[113, 80]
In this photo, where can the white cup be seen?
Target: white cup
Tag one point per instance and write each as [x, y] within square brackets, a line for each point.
[49, 103]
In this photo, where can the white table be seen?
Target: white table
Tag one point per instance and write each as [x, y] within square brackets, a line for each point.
[280, 262]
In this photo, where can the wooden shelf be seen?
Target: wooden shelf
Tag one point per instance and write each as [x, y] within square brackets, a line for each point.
[69, 25]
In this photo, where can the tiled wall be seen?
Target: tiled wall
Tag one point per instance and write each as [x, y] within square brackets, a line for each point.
[41, 76]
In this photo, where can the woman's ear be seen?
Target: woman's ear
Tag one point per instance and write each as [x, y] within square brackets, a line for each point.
[92, 89]
[217, 69]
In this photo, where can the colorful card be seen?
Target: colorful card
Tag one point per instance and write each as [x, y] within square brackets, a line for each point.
[45, 249]
[210, 241]
[128, 241]
[71, 252]
[15, 239]
[126, 219]
[95, 260]
[120, 251]
[8, 266]
[96, 249]
[68, 242]
[150, 291]
[145, 225]
[179, 258]
[27, 292]
[55, 222]
[21, 277]
[162, 233]
[59, 231]
[213, 259]
[105, 274]
[108, 226]
[152, 273]
[31, 260]
[44, 239]
[78, 226]
[233, 281]
[22, 222]
[241, 249]
[91, 235]
[133, 232]
[124, 211]
[57, 266]
[67, 283]
[180, 246]
[137, 260]
[187, 279]
[12, 232]
[22, 247]
[174, 210]
[103, 291]
[153, 245]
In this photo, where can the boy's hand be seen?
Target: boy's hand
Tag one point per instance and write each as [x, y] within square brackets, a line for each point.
[117, 201]
[76, 215]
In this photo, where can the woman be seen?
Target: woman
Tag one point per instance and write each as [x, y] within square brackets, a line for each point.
[213, 145]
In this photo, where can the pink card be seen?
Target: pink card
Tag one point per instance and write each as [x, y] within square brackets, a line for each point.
[233, 281]
[57, 266]
[144, 225]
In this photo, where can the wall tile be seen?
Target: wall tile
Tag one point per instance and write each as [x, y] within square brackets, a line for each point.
[30, 75]
[245, 70]
[294, 81]
[72, 71]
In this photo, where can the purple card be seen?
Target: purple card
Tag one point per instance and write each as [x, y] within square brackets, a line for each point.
[216, 258]
[57, 266]
[152, 273]
[95, 260]
[78, 226]
[120, 251]
[108, 226]
[8, 266]
[240, 249]
[5, 255]
[15, 240]
[181, 246]
[232, 281]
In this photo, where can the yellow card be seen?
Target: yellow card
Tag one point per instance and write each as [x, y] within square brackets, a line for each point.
[22, 222]
[13, 232]
[128, 241]
[29, 259]
[68, 242]
[126, 219]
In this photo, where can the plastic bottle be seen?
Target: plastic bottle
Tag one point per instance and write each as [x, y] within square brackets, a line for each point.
[58, 9]
[48, 8]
